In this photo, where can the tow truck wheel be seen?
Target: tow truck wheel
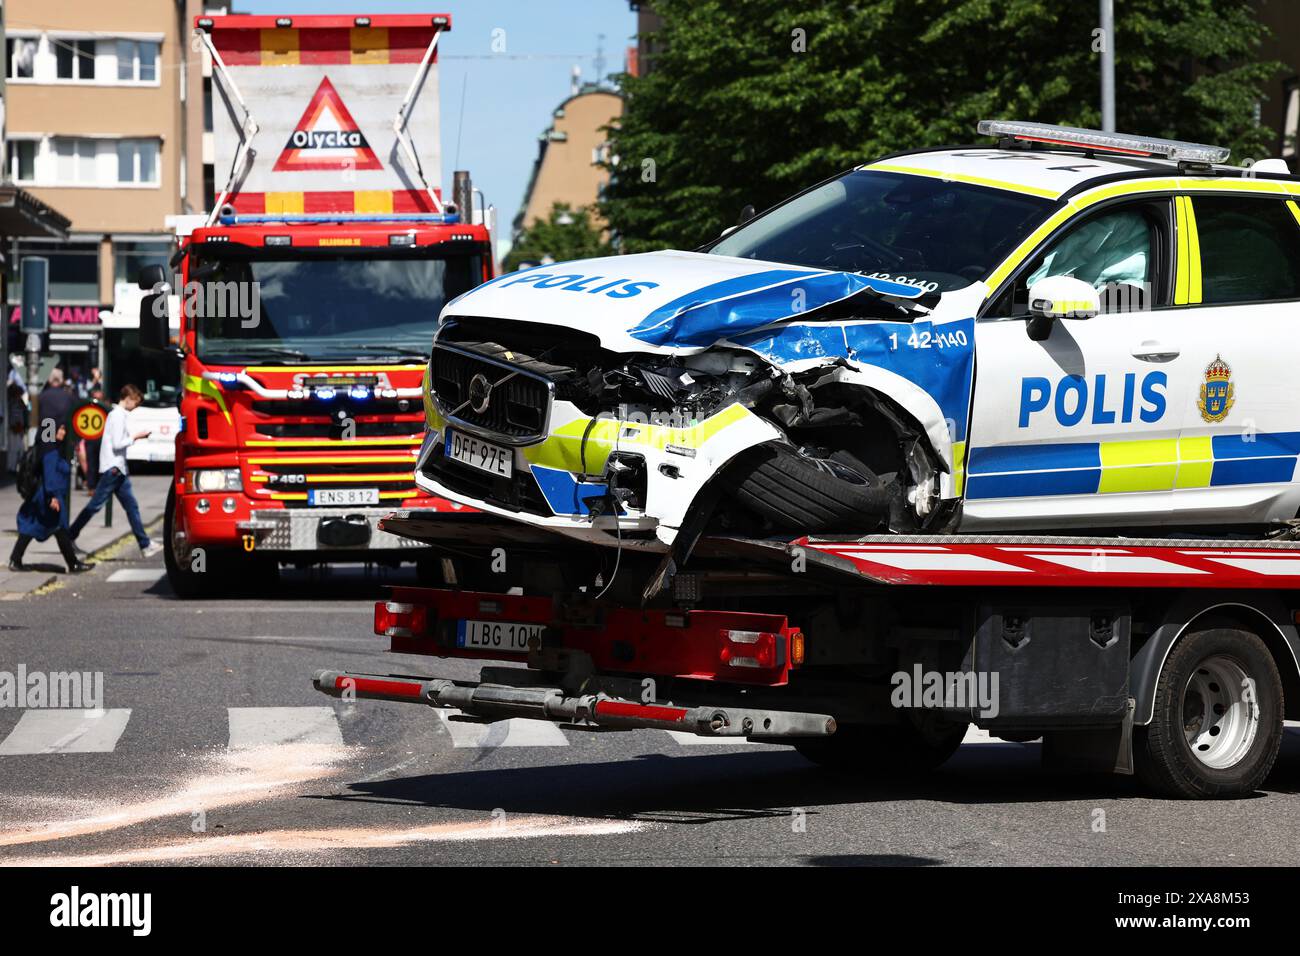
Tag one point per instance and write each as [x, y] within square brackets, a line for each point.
[904, 749]
[1217, 726]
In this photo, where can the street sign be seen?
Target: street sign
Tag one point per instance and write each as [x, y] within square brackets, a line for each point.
[36, 294]
[88, 422]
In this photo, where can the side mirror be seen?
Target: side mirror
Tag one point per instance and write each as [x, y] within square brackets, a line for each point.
[149, 277]
[1059, 297]
[746, 214]
[154, 334]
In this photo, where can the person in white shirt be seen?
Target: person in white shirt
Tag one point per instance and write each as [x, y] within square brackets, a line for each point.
[113, 476]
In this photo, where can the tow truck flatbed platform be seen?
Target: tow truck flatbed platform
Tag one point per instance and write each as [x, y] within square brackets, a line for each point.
[1174, 657]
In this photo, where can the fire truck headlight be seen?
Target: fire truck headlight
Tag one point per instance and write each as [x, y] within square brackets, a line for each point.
[210, 480]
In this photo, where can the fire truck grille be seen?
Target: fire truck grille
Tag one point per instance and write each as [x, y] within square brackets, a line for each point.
[290, 477]
[506, 400]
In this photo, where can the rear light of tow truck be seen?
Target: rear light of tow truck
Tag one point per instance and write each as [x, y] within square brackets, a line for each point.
[396, 619]
[763, 650]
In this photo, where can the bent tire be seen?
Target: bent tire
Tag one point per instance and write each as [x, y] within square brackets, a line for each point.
[904, 749]
[796, 493]
[1217, 725]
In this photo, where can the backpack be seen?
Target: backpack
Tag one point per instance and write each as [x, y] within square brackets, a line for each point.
[29, 473]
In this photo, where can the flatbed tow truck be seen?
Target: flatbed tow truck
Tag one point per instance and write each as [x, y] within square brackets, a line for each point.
[1173, 658]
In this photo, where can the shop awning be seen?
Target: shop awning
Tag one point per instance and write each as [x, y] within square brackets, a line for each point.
[22, 215]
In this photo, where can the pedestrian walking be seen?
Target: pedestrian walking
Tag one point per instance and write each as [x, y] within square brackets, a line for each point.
[113, 476]
[56, 404]
[44, 513]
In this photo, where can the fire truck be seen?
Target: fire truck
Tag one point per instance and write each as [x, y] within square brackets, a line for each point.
[308, 297]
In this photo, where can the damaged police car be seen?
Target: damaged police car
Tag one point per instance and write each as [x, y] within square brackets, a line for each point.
[1067, 329]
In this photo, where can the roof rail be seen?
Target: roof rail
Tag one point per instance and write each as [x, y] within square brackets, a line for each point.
[1095, 140]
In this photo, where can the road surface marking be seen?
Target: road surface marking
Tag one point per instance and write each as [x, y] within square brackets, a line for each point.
[135, 576]
[975, 735]
[694, 740]
[66, 732]
[272, 845]
[268, 726]
[515, 732]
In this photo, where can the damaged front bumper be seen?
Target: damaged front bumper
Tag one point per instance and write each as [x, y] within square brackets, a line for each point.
[599, 478]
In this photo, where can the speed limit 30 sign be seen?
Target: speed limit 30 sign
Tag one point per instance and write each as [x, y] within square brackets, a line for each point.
[88, 422]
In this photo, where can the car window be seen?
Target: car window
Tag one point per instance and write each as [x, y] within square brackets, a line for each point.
[1111, 248]
[929, 232]
[1250, 249]
[1115, 252]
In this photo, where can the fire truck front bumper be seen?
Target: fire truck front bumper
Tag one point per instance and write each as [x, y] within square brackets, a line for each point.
[321, 529]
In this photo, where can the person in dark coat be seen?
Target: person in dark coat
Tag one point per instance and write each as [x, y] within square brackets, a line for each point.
[55, 407]
[46, 512]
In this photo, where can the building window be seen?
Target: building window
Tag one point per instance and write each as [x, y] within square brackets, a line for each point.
[21, 53]
[130, 256]
[74, 59]
[137, 61]
[74, 271]
[75, 161]
[22, 160]
[137, 161]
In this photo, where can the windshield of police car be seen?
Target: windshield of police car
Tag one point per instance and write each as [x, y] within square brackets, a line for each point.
[918, 230]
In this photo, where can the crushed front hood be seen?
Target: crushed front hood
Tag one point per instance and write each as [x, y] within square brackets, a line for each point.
[678, 302]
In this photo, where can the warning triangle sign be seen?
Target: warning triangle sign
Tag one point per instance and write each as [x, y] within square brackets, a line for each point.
[327, 137]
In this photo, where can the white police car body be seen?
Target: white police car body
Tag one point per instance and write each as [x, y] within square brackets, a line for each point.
[1067, 330]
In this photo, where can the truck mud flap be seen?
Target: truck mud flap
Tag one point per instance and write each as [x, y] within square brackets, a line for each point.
[493, 702]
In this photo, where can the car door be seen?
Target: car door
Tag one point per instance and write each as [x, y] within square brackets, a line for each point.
[1081, 429]
[1241, 423]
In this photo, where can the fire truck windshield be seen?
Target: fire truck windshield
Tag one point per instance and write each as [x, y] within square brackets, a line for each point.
[310, 305]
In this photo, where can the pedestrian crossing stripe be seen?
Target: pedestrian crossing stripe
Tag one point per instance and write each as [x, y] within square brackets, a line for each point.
[65, 732]
[135, 576]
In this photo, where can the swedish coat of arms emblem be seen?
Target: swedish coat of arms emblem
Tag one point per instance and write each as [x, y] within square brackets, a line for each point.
[1217, 391]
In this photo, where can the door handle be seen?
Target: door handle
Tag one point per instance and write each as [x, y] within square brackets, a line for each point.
[1152, 351]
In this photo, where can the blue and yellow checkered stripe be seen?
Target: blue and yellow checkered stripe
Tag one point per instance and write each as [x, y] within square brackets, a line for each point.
[1163, 464]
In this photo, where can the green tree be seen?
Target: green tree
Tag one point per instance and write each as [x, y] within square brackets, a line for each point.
[751, 102]
[565, 234]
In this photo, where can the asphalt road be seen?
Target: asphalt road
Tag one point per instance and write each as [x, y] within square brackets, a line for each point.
[213, 748]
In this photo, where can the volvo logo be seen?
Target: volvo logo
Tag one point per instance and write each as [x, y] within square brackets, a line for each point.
[480, 393]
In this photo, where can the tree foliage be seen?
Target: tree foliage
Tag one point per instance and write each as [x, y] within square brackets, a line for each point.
[751, 102]
[565, 234]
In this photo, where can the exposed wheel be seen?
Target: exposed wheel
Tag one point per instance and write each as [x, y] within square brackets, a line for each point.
[795, 493]
[904, 749]
[1217, 726]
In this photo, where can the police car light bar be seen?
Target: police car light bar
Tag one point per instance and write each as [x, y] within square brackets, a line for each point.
[1104, 142]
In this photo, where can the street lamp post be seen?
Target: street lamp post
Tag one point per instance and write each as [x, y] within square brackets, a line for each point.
[1108, 66]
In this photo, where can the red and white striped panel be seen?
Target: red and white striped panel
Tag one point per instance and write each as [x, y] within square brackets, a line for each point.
[1055, 565]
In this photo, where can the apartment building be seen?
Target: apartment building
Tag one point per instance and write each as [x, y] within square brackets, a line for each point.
[104, 122]
[569, 155]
